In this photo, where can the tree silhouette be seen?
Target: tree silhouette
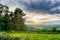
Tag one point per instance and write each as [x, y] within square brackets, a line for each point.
[1, 9]
[19, 21]
[7, 20]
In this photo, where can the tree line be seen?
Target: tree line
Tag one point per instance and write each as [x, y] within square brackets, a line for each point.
[12, 20]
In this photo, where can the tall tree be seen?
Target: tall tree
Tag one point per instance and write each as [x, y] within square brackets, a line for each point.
[1, 17]
[19, 21]
[11, 20]
[6, 18]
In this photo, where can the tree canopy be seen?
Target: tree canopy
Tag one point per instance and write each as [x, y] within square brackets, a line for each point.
[12, 20]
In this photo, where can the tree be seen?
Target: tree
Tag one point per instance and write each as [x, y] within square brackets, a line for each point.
[1, 9]
[19, 22]
[54, 29]
[11, 20]
[1, 17]
[6, 22]
[6, 18]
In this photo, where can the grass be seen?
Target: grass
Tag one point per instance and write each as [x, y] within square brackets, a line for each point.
[33, 36]
[37, 36]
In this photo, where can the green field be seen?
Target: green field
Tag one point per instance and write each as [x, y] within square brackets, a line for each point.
[39, 36]
[33, 36]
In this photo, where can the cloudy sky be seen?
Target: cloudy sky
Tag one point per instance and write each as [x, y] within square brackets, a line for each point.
[46, 12]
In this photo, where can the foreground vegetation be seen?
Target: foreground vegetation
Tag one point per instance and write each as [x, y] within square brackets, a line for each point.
[28, 36]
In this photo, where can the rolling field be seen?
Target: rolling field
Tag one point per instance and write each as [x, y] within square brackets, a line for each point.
[34, 36]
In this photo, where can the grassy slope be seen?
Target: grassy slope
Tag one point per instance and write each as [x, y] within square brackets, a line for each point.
[34, 36]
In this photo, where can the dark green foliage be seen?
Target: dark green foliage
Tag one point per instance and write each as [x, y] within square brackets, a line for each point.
[12, 20]
[6, 22]
[19, 21]
[54, 29]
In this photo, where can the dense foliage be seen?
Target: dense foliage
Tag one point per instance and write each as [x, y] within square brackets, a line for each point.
[12, 20]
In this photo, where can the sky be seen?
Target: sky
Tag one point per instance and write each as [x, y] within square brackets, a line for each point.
[38, 12]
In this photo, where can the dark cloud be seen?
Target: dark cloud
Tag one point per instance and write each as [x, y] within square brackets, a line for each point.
[42, 6]
[35, 6]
